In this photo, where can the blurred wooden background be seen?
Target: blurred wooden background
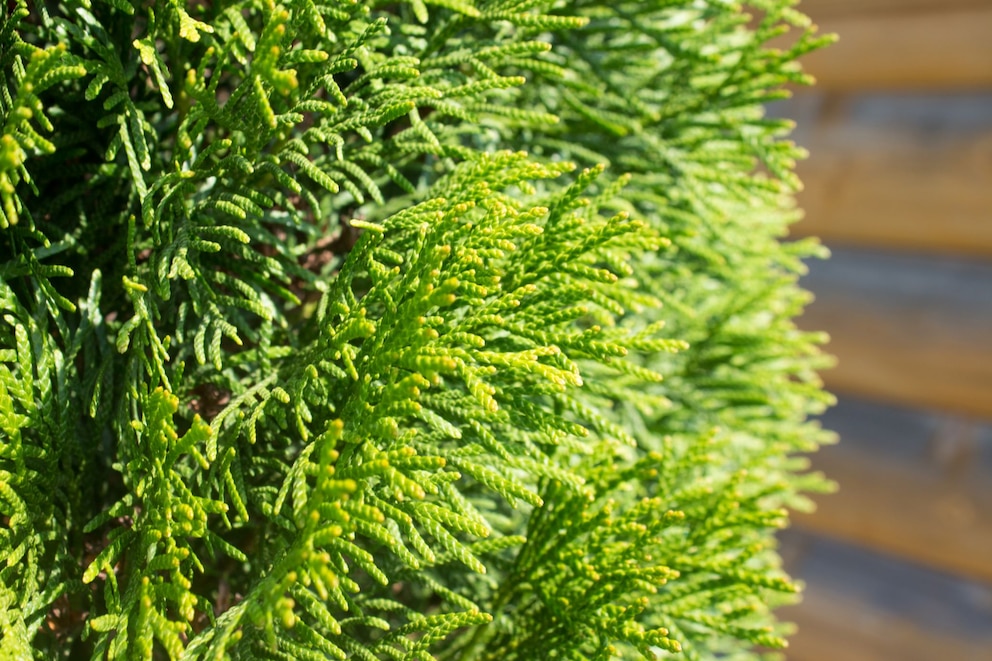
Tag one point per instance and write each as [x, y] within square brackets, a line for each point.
[898, 564]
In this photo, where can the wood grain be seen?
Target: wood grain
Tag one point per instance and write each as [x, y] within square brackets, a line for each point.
[899, 188]
[911, 511]
[833, 626]
[908, 330]
[905, 50]
[859, 605]
[893, 183]
[823, 8]
[905, 356]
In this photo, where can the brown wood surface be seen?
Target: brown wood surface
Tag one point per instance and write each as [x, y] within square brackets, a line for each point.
[835, 627]
[945, 49]
[906, 329]
[909, 510]
[910, 175]
[859, 605]
[823, 8]
[906, 356]
[899, 188]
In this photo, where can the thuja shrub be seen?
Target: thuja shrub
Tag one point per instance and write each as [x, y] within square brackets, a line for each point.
[438, 329]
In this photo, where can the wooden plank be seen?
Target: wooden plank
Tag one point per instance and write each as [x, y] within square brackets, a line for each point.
[900, 357]
[833, 627]
[899, 187]
[907, 330]
[861, 606]
[911, 511]
[819, 9]
[912, 484]
[915, 50]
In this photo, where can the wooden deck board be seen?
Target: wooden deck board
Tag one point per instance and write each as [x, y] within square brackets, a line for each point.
[823, 8]
[898, 563]
[835, 627]
[907, 330]
[899, 188]
[905, 50]
[859, 605]
[912, 512]
[913, 485]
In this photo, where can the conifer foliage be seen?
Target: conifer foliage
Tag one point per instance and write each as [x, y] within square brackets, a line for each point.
[436, 329]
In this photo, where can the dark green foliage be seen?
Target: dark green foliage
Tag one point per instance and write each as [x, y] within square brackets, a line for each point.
[398, 330]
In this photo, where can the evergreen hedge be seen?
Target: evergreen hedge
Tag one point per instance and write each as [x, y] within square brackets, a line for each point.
[436, 329]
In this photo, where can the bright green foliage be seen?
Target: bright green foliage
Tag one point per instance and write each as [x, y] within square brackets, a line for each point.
[438, 329]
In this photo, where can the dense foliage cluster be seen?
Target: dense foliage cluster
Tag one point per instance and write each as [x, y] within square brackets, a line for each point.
[436, 329]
